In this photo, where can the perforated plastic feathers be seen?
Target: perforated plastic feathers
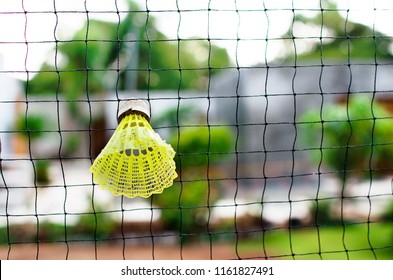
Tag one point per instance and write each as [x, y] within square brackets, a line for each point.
[136, 161]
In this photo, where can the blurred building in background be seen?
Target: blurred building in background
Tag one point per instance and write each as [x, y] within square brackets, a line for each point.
[266, 103]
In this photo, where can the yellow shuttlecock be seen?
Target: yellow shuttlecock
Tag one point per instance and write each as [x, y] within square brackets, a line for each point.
[136, 161]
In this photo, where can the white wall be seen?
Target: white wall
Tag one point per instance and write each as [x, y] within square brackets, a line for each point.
[9, 90]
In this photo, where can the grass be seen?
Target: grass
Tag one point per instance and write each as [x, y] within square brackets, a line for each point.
[351, 241]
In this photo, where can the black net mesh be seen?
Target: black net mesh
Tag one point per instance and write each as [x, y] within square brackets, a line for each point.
[280, 113]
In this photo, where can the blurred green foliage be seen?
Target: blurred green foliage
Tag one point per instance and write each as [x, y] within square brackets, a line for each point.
[102, 56]
[322, 213]
[173, 117]
[387, 215]
[199, 148]
[32, 126]
[184, 206]
[341, 39]
[42, 175]
[353, 137]
[96, 224]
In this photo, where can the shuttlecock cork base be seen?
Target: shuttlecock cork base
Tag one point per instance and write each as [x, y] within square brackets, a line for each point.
[136, 161]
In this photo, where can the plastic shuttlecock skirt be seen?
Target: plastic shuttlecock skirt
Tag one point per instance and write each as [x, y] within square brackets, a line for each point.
[136, 161]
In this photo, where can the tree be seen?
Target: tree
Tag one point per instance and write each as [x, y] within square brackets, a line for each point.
[351, 132]
[99, 54]
[33, 127]
[102, 57]
[340, 39]
[350, 140]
